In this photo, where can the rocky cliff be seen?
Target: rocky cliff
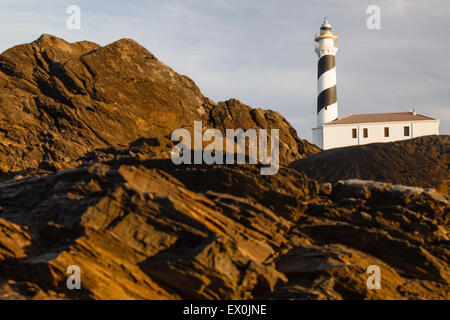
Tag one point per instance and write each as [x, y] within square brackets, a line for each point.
[147, 229]
[59, 101]
[84, 147]
[422, 162]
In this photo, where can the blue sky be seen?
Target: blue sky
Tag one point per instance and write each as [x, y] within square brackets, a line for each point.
[262, 51]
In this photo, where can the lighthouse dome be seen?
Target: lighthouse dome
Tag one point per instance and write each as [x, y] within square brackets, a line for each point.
[325, 25]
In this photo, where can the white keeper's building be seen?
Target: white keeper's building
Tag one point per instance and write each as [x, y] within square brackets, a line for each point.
[357, 129]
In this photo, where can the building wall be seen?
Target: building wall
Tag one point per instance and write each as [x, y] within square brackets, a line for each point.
[318, 137]
[336, 136]
[425, 128]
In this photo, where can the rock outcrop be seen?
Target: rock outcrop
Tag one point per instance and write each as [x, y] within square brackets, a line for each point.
[422, 162]
[59, 101]
[148, 229]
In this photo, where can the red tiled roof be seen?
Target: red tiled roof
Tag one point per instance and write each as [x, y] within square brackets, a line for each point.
[380, 117]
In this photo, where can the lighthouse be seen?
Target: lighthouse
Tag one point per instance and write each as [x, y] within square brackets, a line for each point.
[356, 129]
[326, 49]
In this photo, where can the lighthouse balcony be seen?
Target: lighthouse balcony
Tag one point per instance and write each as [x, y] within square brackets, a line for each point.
[326, 35]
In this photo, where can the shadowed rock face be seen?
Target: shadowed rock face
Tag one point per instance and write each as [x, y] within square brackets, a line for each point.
[422, 162]
[89, 127]
[60, 100]
[234, 114]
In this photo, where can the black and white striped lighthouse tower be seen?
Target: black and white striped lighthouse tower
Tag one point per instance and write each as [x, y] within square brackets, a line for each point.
[326, 49]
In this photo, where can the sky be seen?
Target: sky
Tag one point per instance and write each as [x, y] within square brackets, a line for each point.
[261, 52]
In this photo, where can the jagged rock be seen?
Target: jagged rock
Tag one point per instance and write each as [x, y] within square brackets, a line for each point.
[422, 162]
[60, 101]
[148, 229]
[234, 114]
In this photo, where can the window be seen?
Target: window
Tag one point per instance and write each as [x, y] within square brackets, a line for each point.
[365, 133]
[386, 132]
[354, 133]
[406, 130]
